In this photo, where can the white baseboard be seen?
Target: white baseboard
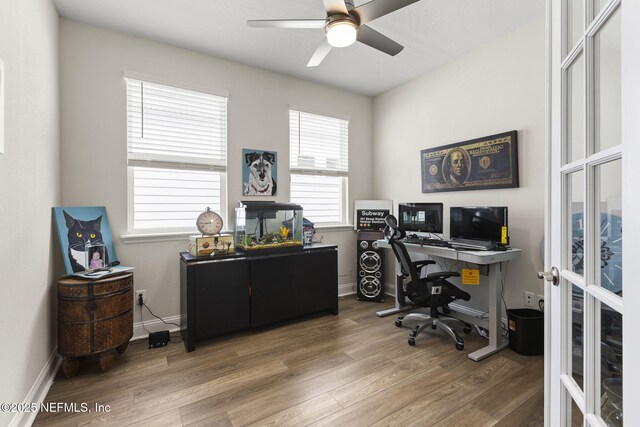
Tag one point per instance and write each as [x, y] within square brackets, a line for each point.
[38, 390]
[346, 289]
[43, 382]
[390, 289]
[155, 325]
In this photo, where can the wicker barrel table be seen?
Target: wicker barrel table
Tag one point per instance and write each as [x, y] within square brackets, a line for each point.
[94, 318]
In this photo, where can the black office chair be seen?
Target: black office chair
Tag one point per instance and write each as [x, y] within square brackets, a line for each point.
[432, 291]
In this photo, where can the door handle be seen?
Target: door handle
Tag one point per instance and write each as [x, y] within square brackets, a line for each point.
[552, 276]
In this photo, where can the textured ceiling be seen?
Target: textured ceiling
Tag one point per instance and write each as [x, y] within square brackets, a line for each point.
[433, 32]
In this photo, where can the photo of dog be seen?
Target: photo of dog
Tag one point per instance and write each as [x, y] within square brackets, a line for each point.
[259, 173]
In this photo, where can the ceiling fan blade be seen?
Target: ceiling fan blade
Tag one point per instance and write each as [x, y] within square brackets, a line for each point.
[371, 37]
[333, 6]
[377, 8]
[319, 54]
[287, 23]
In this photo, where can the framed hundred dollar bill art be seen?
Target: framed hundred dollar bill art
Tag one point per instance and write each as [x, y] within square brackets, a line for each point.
[478, 164]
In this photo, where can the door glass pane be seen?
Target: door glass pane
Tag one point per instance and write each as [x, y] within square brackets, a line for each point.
[607, 84]
[608, 272]
[575, 111]
[575, 188]
[577, 335]
[575, 23]
[611, 365]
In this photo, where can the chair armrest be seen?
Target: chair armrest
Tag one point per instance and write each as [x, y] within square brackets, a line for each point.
[420, 264]
[441, 275]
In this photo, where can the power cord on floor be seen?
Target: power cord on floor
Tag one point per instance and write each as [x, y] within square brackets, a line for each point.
[163, 321]
[140, 341]
[141, 304]
[142, 320]
[158, 317]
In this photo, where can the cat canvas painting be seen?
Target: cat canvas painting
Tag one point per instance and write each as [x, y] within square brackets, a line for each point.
[80, 229]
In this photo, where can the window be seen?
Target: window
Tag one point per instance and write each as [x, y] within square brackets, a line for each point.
[177, 156]
[319, 162]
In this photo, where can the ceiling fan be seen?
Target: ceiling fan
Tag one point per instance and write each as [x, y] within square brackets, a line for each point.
[344, 25]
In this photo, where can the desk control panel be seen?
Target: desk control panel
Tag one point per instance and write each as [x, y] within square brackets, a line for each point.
[425, 241]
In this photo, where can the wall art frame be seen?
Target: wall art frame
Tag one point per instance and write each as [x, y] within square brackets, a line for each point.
[259, 173]
[483, 163]
[79, 229]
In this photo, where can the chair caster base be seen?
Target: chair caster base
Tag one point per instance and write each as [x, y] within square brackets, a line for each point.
[459, 341]
[398, 323]
[412, 341]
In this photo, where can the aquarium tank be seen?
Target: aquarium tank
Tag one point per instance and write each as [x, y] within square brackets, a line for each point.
[268, 226]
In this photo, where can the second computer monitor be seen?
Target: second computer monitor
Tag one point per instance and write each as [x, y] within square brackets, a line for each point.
[480, 223]
[420, 217]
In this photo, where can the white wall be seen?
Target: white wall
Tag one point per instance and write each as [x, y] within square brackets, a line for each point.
[496, 88]
[29, 187]
[93, 136]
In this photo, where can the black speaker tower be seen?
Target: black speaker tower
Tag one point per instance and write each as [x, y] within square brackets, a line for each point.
[370, 279]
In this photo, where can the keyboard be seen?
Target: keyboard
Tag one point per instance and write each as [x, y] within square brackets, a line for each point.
[480, 245]
[425, 241]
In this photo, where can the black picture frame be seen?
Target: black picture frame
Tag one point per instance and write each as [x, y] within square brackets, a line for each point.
[95, 263]
[483, 163]
[259, 172]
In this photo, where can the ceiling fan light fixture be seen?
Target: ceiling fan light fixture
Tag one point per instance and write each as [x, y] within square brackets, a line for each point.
[341, 33]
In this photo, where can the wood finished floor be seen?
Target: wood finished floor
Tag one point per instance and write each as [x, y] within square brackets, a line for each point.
[354, 369]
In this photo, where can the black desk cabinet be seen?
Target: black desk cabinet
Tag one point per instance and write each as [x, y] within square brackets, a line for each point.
[241, 291]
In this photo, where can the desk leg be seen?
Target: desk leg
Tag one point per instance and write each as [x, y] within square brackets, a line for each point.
[496, 343]
[396, 308]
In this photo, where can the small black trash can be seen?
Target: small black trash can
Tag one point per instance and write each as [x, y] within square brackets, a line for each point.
[526, 330]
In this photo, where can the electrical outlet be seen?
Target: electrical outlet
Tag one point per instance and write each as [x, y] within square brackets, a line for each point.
[538, 299]
[144, 296]
[529, 299]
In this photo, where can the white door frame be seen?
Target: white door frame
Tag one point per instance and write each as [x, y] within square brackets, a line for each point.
[631, 205]
[630, 89]
[552, 362]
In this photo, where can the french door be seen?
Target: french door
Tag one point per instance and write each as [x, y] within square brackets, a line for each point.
[594, 185]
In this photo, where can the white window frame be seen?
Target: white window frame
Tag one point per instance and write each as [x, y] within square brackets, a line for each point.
[170, 233]
[342, 175]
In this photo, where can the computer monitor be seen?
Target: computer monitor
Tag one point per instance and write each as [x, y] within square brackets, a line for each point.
[479, 223]
[420, 217]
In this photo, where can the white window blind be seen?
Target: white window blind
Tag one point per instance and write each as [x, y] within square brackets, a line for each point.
[318, 144]
[319, 164]
[177, 152]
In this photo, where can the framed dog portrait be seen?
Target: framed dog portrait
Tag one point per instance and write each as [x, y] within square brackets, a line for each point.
[259, 173]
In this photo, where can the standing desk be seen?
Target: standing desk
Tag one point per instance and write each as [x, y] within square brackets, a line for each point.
[493, 260]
